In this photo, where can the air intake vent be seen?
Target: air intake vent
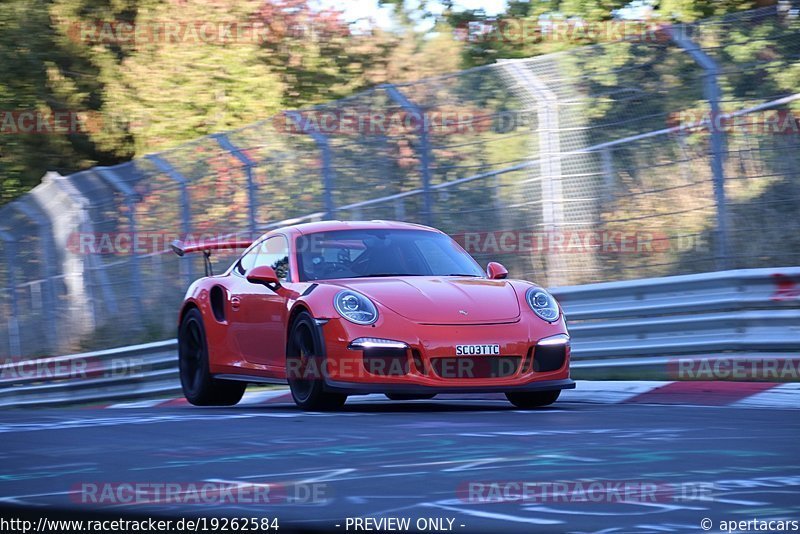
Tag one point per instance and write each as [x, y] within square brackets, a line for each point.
[549, 358]
[386, 362]
[476, 367]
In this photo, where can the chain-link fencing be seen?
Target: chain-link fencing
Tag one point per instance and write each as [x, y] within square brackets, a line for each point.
[672, 153]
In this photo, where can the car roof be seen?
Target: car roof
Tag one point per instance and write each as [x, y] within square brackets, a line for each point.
[330, 226]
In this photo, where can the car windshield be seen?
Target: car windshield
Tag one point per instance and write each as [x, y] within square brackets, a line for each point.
[380, 253]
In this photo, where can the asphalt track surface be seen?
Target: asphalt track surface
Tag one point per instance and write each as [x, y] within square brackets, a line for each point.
[414, 460]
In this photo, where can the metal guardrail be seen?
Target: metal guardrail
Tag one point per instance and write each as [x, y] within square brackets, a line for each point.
[752, 313]
[138, 371]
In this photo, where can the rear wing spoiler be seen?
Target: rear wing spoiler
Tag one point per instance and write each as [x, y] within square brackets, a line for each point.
[181, 248]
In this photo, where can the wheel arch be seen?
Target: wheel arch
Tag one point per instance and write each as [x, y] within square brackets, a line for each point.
[187, 306]
[298, 308]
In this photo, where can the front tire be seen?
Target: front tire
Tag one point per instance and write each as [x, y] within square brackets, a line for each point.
[199, 387]
[305, 367]
[532, 399]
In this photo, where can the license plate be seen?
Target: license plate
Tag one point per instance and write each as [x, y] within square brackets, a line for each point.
[477, 350]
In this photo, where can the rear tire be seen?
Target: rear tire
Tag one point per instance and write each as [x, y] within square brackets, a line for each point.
[409, 396]
[199, 387]
[305, 367]
[532, 399]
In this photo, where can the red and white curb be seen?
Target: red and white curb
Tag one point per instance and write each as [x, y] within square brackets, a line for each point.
[720, 393]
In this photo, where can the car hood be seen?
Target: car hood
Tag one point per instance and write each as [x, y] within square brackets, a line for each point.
[442, 300]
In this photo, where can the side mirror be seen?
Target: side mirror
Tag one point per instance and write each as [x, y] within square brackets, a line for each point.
[495, 271]
[264, 275]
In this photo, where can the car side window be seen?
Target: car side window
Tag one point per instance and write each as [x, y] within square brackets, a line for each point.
[274, 252]
[247, 261]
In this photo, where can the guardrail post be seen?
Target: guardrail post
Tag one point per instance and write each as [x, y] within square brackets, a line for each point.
[130, 195]
[14, 345]
[424, 149]
[249, 164]
[713, 94]
[399, 210]
[186, 215]
[328, 179]
[48, 263]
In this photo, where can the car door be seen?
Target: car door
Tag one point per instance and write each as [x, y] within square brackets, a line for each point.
[259, 313]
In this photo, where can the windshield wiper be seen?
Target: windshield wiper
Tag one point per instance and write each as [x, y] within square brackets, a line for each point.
[470, 275]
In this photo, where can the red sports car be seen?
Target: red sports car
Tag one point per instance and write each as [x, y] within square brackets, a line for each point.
[348, 308]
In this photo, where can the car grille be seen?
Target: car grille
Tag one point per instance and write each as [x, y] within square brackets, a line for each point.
[476, 366]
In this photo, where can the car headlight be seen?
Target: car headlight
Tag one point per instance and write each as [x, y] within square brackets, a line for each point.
[543, 304]
[355, 307]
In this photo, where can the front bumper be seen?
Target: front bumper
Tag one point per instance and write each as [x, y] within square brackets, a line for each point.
[431, 347]
[353, 388]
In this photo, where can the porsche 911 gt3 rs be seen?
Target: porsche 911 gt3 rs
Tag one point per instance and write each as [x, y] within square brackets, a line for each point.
[347, 308]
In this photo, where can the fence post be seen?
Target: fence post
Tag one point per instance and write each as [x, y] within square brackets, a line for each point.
[186, 215]
[607, 159]
[248, 163]
[136, 269]
[49, 261]
[713, 94]
[424, 149]
[549, 160]
[328, 178]
[14, 344]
